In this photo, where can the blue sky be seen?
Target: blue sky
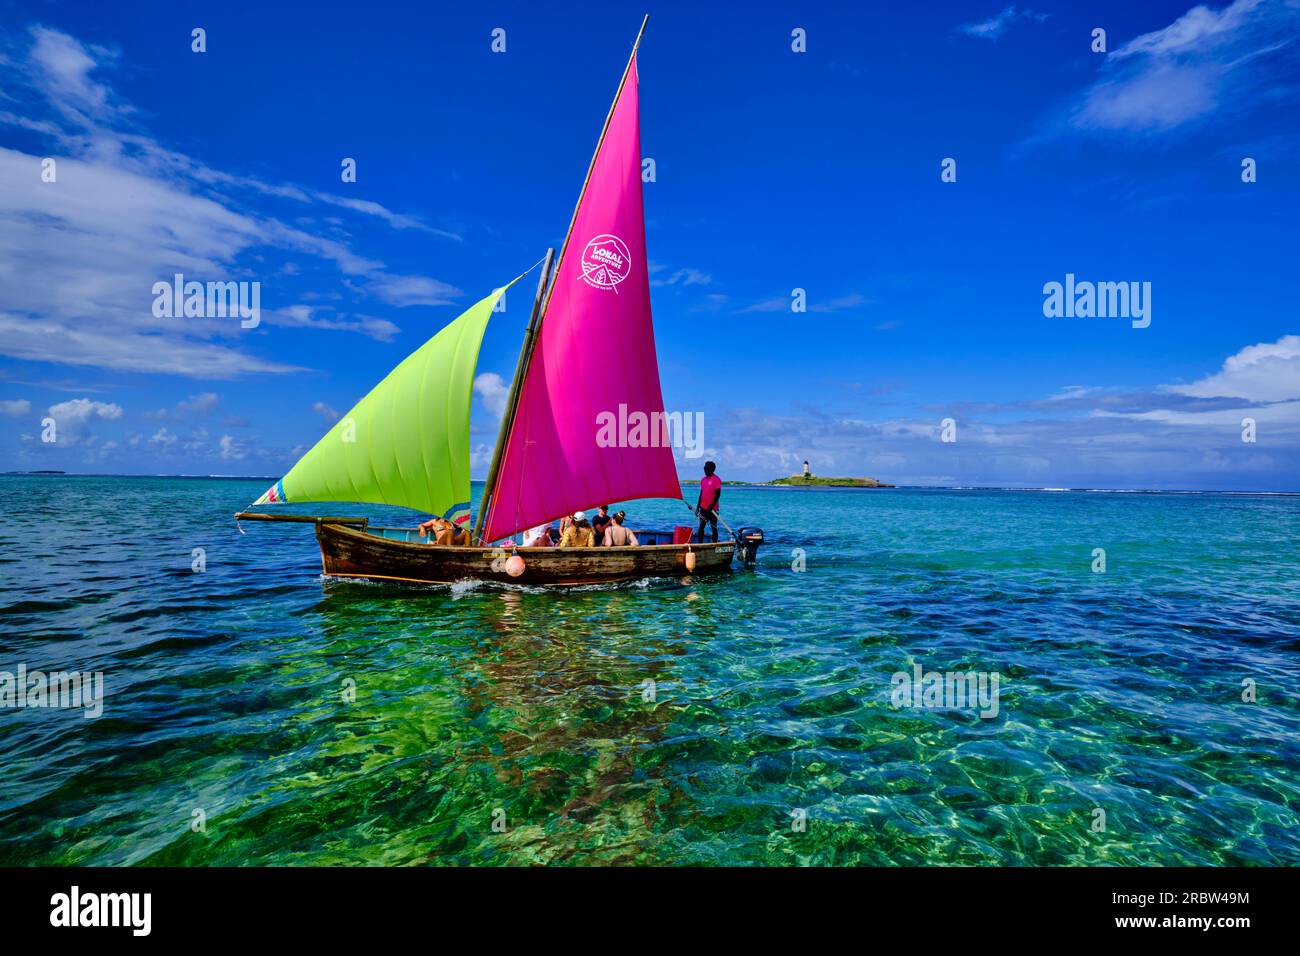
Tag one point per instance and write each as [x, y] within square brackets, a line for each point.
[776, 170]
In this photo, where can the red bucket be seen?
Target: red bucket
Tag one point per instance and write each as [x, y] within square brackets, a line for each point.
[682, 534]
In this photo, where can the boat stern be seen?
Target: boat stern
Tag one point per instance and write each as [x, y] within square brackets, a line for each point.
[748, 541]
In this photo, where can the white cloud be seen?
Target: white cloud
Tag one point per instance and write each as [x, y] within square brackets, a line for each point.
[75, 418]
[778, 304]
[1192, 31]
[307, 317]
[1267, 372]
[325, 412]
[196, 405]
[681, 277]
[396, 220]
[1260, 382]
[1069, 392]
[64, 66]
[494, 392]
[200, 404]
[231, 450]
[1186, 71]
[849, 301]
[1280, 413]
[995, 26]
[411, 290]
[14, 408]
[1082, 436]
[79, 256]
[1159, 97]
[80, 411]
[783, 303]
[67, 343]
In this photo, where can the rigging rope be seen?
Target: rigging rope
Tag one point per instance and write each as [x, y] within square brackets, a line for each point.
[718, 514]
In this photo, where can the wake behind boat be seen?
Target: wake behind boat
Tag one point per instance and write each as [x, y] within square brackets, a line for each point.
[407, 442]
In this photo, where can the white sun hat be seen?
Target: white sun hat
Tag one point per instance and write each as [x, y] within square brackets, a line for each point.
[579, 515]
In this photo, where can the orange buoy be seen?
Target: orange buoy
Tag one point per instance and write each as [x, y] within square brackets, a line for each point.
[690, 560]
[515, 566]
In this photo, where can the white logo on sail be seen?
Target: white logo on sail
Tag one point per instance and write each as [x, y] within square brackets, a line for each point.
[606, 262]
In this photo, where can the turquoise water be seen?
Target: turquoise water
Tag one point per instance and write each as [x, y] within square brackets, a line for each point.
[226, 689]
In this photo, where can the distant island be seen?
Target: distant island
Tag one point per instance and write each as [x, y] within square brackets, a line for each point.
[800, 481]
[814, 481]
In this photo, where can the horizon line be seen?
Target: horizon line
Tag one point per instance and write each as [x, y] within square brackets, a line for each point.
[54, 473]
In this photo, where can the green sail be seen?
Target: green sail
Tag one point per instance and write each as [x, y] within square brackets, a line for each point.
[407, 442]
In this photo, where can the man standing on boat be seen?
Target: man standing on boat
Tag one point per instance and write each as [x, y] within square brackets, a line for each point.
[710, 500]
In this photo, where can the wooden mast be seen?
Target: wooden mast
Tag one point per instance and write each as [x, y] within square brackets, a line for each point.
[512, 400]
[534, 326]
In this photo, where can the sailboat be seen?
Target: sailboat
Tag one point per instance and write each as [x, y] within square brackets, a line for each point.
[406, 443]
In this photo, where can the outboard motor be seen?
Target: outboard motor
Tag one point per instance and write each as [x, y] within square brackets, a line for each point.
[747, 542]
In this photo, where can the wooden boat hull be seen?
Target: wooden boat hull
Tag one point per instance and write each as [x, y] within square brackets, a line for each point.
[348, 552]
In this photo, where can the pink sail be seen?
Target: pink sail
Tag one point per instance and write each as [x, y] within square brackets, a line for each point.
[590, 427]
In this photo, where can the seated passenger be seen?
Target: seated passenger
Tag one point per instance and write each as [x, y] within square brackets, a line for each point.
[617, 536]
[599, 523]
[444, 532]
[578, 533]
[539, 537]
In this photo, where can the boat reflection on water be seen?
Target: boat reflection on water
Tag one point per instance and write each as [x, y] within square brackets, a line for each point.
[541, 718]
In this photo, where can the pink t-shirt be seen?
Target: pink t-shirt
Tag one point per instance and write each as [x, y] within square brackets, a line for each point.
[709, 486]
